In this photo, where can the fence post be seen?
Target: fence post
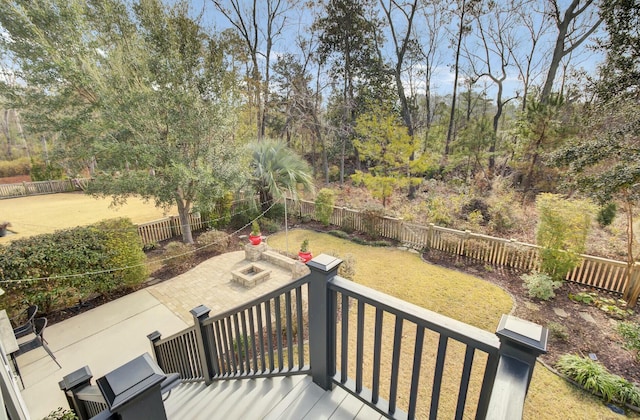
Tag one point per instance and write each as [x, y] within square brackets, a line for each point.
[201, 313]
[154, 337]
[521, 342]
[429, 236]
[322, 326]
[70, 384]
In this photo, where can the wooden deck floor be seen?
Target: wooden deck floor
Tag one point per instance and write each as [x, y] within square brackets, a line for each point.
[294, 398]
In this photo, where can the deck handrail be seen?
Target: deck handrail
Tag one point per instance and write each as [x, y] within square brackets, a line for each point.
[257, 339]
[178, 353]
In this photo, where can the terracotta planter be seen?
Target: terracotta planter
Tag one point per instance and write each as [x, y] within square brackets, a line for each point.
[255, 240]
[305, 257]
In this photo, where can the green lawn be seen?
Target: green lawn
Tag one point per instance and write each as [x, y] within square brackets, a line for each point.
[403, 274]
[39, 214]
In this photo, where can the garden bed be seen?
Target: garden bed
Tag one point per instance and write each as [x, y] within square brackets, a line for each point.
[578, 335]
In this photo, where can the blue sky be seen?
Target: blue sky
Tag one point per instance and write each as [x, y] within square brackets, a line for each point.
[299, 20]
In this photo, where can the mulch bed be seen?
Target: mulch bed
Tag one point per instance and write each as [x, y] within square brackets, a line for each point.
[582, 338]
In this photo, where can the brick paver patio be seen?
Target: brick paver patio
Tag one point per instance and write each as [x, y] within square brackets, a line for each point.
[210, 284]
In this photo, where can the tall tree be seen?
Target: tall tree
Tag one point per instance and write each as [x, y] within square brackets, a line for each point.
[349, 35]
[429, 40]
[575, 25]
[605, 160]
[464, 11]
[259, 24]
[490, 58]
[524, 46]
[149, 84]
[400, 18]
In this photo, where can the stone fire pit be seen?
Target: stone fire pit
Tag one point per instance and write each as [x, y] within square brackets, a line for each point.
[250, 275]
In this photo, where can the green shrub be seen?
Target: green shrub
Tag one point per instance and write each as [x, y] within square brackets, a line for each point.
[372, 220]
[269, 226]
[243, 215]
[61, 414]
[594, 377]
[501, 213]
[276, 213]
[348, 224]
[339, 234]
[325, 200]
[348, 267]
[606, 214]
[109, 252]
[40, 171]
[21, 166]
[438, 212]
[540, 285]
[558, 331]
[214, 240]
[123, 249]
[334, 173]
[219, 214]
[630, 331]
[563, 226]
[177, 255]
[615, 308]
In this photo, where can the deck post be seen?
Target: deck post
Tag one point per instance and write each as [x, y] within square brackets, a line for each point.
[322, 326]
[521, 342]
[154, 337]
[70, 384]
[201, 313]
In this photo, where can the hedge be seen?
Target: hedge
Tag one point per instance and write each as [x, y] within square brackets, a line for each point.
[21, 166]
[29, 266]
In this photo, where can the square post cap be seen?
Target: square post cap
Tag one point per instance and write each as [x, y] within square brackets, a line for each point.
[130, 380]
[524, 334]
[80, 376]
[324, 263]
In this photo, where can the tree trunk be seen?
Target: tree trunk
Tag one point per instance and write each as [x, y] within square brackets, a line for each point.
[632, 290]
[7, 134]
[494, 140]
[455, 83]
[184, 207]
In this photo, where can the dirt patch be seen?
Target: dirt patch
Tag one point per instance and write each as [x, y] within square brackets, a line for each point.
[15, 179]
[582, 337]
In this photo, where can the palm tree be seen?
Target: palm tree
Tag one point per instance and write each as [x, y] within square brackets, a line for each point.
[277, 170]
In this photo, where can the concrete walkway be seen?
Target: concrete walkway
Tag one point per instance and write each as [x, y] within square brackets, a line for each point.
[110, 335]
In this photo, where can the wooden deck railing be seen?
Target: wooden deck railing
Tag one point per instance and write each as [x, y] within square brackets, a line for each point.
[266, 338]
[600, 273]
[179, 353]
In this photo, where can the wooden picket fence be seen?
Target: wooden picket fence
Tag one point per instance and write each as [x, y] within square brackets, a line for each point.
[167, 228]
[600, 273]
[23, 189]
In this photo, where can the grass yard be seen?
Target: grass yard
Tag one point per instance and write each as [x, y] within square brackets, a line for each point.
[39, 214]
[451, 293]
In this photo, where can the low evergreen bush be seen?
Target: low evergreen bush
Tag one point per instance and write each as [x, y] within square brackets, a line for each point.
[21, 166]
[540, 285]
[56, 270]
[630, 331]
[606, 214]
[177, 255]
[214, 240]
[324, 205]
